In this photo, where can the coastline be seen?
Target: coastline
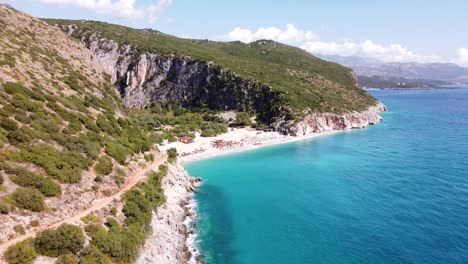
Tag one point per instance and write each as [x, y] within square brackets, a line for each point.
[174, 237]
[248, 138]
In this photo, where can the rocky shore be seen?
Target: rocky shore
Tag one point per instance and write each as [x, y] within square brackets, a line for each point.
[172, 223]
[173, 237]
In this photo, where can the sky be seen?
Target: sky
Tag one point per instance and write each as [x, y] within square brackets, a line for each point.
[392, 30]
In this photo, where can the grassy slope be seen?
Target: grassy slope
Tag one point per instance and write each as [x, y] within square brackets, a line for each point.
[306, 81]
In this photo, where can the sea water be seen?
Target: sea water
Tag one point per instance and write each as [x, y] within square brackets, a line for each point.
[396, 192]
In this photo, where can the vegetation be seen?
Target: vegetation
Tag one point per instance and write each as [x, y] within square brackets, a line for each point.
[25, 178]
[104, 166]
[29, 198]
[65, 239]
[243, 119]
[120, 242]
[306, 82]
[172, 155]
[92, 255]
[168, 122]
[21, 253]
[67, 259]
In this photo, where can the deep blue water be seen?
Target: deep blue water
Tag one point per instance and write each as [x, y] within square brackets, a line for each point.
[393, 193]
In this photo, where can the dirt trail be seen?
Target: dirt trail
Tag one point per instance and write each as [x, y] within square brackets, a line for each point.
[98, 204]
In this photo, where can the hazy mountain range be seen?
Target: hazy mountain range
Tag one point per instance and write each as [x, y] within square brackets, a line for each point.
[430, 72]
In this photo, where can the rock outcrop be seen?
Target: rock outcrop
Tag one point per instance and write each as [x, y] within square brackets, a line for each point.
[168, 241]
[320, 122]
[144, 78]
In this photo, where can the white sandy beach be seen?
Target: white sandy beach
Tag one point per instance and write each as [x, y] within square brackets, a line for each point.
[242, 139]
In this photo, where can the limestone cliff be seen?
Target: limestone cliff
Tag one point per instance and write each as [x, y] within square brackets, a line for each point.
[320, 122]
[144, 77]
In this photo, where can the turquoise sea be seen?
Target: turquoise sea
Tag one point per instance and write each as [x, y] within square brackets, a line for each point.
[396, 192]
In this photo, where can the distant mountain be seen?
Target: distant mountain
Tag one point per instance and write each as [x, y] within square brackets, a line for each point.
[447, 72]
[397, 83]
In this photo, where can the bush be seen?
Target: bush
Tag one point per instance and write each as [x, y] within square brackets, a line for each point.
[172, 154]
[29, 198]
[243, 119]
[92, 255]
[67, 259]
[4, 208]
[8, 124]
[149, 157]
[21, 253]
[25, 178]
[117, 151]
[118, 244]
[63, 166]
[64, 240]
[16, 137]
[104, 166]
[19, 229]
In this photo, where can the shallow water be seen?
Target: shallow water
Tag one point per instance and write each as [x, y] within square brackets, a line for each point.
[393, 193]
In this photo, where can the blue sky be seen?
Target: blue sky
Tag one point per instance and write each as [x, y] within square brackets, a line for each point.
[397, 30]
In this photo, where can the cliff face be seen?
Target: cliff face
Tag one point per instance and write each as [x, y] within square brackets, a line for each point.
[320, 122]
[171, 223]
[144, 78]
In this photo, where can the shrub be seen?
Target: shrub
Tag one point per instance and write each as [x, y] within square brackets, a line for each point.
[21, 253]
[172, 154]
[67, 259]
[243, 119]
[118, 244]
[64, 240]
[8, 124]
[117, 151]
[22, 102]
[63, 166]
[92, 255]
[104, 166]
[29, 198]
[4, 208]
[16, 137]
[19, 229]
[34, 223]
[149, 157]
[113, 211]
[25, 178]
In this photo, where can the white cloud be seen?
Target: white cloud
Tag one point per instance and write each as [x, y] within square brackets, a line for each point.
[309, 41]
[289, 34]
[462, 57]
[127, 9]
[393, 52]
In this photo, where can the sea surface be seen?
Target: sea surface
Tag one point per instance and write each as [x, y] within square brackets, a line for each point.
[396, 192]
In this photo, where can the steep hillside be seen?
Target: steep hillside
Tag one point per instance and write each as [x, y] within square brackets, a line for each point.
[273, 80]
[74, 169]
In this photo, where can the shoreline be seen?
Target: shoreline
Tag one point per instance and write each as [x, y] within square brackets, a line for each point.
[249, 139]
[192, 251]
[174, 238]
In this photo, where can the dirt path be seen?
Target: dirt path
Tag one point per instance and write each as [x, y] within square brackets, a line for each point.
[98, 204]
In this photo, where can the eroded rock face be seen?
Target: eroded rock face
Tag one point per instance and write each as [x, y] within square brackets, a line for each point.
[320, 122]
[168, 241]
[144, 78]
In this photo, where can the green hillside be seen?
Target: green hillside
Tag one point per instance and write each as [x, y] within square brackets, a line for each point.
[306, 81]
